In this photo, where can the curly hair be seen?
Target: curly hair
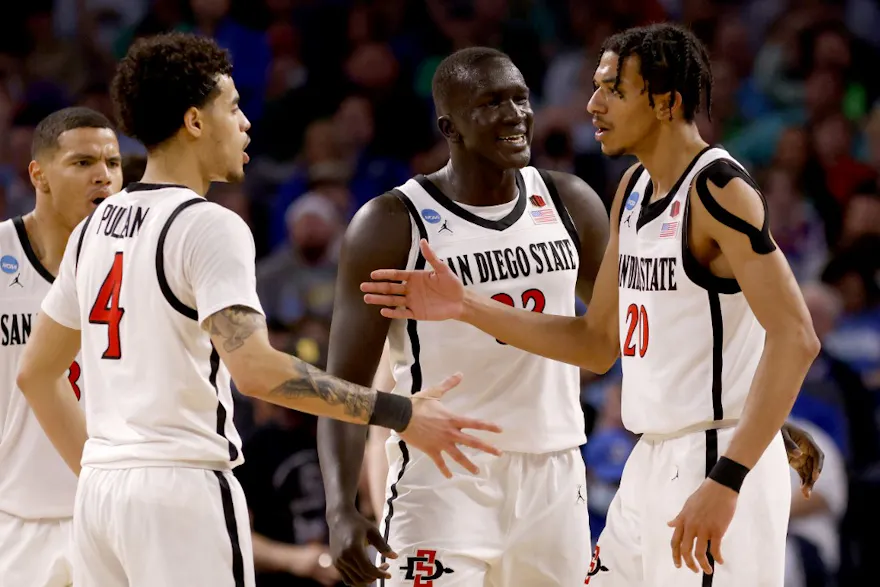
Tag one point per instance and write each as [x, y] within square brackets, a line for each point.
[160, 78]
[672, 59]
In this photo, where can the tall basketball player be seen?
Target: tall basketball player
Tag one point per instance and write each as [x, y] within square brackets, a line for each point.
[702, 308]
[157, 287]
[529, 238]
[76, 164]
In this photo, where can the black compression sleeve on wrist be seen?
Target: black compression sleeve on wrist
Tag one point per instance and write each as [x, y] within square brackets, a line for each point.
[391, 411]
[729, 473]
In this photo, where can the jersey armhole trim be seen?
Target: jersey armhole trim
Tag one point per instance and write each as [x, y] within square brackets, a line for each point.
[82, 236]
[412, 326]
[696, 271]
[630, 186]
[172, 299]
[18, 223]
[564, 215]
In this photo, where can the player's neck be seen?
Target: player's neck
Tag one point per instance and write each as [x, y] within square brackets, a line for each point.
[669, 153]
[176, 164]
[476, 184]
[48, 237]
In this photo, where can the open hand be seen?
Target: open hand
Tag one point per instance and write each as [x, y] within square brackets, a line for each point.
[434, 430]
[435, 294]
[704, 518]
[804, 456]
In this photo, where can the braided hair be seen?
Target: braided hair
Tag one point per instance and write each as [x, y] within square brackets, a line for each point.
[672, 60]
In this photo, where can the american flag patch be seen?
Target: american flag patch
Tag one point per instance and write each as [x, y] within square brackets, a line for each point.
[668, 229]
[543, 216]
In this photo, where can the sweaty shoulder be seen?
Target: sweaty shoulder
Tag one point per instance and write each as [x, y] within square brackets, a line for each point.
[380, 233]
[727, 196]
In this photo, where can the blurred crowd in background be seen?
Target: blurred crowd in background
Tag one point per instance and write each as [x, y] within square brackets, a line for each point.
[338, 92]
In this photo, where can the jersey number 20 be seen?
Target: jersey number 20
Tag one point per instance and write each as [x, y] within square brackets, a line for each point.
[106, 308]
[636, 319]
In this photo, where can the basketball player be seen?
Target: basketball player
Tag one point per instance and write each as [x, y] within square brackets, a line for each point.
[157, 286]
[529, 238]
[700, 304]
[76, 164]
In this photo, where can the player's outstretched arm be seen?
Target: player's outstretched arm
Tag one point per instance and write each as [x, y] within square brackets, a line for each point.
[732, 214]
[591, 342]
[50, 350]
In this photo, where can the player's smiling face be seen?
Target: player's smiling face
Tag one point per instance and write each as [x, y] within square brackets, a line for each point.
[622, 113]
[83, 169]
[495, 117]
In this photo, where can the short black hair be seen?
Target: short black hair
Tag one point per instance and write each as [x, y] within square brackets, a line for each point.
[51, 127]
[160, 78]
[672, 60]
[455, 68]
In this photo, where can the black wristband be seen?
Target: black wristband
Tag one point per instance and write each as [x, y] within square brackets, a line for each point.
[729, 473]
[391, 411]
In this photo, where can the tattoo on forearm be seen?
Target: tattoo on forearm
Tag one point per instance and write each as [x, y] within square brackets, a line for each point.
[234, 325]
[312, 382]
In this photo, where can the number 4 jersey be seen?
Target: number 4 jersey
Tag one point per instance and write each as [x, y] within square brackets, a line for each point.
[524, 254]
[138, 278]
[689, 341]
[35, 482]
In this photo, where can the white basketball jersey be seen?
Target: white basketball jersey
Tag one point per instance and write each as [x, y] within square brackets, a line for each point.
[528, 259]
[148, 266]
[35, 482]
[689, 341]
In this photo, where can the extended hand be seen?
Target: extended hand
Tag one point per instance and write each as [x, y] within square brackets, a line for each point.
[705, 517]
[804, 456]
[436, 294]
[434, 430]
[350, 533]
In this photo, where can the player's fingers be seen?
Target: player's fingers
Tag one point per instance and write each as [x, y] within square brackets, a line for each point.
[715, 549]
[391, 275]
[400, 312]
[462, 460]
[474, 442]
[441, 464]
[375, 538]
[675, 543]
[701, 551]
[471, 424]
[820, 462]
[385, 300]
[446, 384]
[362, 568]
[435, 262]
[384, 287]
[687, 549]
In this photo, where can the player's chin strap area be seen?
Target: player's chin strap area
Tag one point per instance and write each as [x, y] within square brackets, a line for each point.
[698, 427]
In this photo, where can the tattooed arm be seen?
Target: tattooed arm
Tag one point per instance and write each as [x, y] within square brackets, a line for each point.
[240, 336]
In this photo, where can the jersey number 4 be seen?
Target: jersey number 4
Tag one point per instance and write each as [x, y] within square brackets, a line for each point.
[636, 319]
[530, 295]
[106, 308]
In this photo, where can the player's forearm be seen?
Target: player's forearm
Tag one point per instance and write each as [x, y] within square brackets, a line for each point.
[271, 556]
[56, 409]
[778, 379]
[341, 451]
[562, 338]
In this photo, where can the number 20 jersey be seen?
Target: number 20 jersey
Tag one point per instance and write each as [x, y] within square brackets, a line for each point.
[524, 254]
[689, 342]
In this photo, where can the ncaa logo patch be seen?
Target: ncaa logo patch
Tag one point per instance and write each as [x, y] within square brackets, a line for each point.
[431, 216]
[632, 200]
[8, 264]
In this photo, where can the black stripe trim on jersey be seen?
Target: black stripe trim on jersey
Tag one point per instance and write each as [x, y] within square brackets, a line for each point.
[450, 205]
[561, 209]
[630, 186]
[231, 529]
[717, 354]
[404, 454]
[82, 237]
[18, 223]
[412, 326]
[652, 210]
[221, 411]
[139, 186]
[160, 262]
[696, 271]
[711, 459]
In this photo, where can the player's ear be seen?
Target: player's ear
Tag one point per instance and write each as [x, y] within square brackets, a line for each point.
[667, 105]
[447, 129]
[38, 177]
[192, 121]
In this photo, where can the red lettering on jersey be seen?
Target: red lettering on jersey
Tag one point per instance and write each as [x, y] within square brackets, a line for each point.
[636, 317]
[106, 308]
[73, 376]
[530, 295]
